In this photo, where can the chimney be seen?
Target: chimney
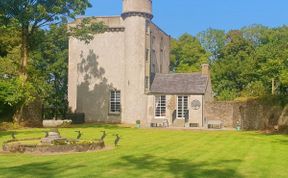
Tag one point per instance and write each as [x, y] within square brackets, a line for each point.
[205, 69]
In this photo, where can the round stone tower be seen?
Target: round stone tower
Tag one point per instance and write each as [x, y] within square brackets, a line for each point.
[136, 17]
[137, 7]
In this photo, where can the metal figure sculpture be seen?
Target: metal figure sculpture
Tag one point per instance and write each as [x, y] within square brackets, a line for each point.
[117, 139]
[79, 134]
[13, 135]
[46, 134]
[103, 136]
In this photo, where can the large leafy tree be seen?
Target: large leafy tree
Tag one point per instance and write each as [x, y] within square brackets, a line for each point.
[272, 57]
[51, 63]
[249, 62]
[187, 54]
[32, 15]
[256, 34]
[9, 57]
[234, 69]
[212, 40]
[252, 63]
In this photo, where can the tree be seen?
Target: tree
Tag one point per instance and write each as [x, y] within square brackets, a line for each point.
[32, 15]
[272, 59]
[212, 40]
[252, 63]
[234, 69]
[51, 62]
[9, 57]
[256, 34]
[187, 54]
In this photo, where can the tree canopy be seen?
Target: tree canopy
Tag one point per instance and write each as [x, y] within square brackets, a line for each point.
[27, 48]
[251, 59]
[249, 62]
[187, 54]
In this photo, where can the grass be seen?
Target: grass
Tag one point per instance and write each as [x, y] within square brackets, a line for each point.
[156, 153]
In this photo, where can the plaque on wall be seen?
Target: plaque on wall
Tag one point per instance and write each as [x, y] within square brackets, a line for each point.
[195, 104]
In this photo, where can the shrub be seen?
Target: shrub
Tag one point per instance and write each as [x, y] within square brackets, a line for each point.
[9, 126]
[254, 89]
[227, 95]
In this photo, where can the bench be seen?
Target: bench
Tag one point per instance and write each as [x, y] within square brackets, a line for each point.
[215, 124]
[159, 123]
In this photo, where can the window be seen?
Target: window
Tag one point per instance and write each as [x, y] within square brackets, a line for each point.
[146, 82]
[161, 44]
[147, 55]
[147, 27]
[153, 69]
[153, 39]
[182, 106]
[115, 101]
[160, 106]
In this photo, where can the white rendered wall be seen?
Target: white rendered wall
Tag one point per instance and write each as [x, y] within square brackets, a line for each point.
[135, 100]
[137, 6]
[94, 70]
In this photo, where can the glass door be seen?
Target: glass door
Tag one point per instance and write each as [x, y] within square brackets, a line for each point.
[182, 106]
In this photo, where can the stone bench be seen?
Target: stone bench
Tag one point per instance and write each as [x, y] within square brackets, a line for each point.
[159, 122]
[215, 124]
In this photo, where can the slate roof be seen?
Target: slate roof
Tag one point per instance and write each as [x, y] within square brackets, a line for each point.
[193, 83]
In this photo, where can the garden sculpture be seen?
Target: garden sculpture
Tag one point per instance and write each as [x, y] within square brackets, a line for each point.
[103, 136]
[79, 134]
[117, 140]
[13, 135]
[46, 134]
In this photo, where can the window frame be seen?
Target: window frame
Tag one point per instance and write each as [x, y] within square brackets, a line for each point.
[117, 102]
[162, 107]
[182, 106]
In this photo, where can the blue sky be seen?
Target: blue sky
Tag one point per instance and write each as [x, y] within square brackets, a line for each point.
[192, 16]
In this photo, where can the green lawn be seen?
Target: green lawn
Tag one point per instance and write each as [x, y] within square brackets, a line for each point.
[157, 153]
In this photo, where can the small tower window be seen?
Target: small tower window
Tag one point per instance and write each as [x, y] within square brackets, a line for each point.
[146, 82]
[147, 55]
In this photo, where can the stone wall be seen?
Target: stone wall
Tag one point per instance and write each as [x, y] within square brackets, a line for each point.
[283, 121]
[221, 111]
[253, 114]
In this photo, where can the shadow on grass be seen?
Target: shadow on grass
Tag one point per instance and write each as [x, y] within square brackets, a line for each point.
[37, 169]
[281, 141]
[41, 133]
[103, 126]
[5, 133]
[181, 167]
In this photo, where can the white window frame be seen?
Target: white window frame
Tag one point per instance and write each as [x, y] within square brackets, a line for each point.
[162, 107]
[182, 107]
[115, 101]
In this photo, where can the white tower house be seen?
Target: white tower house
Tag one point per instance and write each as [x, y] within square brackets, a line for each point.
[136, 14]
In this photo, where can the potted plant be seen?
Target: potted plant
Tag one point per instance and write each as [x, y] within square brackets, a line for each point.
[238, 125]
